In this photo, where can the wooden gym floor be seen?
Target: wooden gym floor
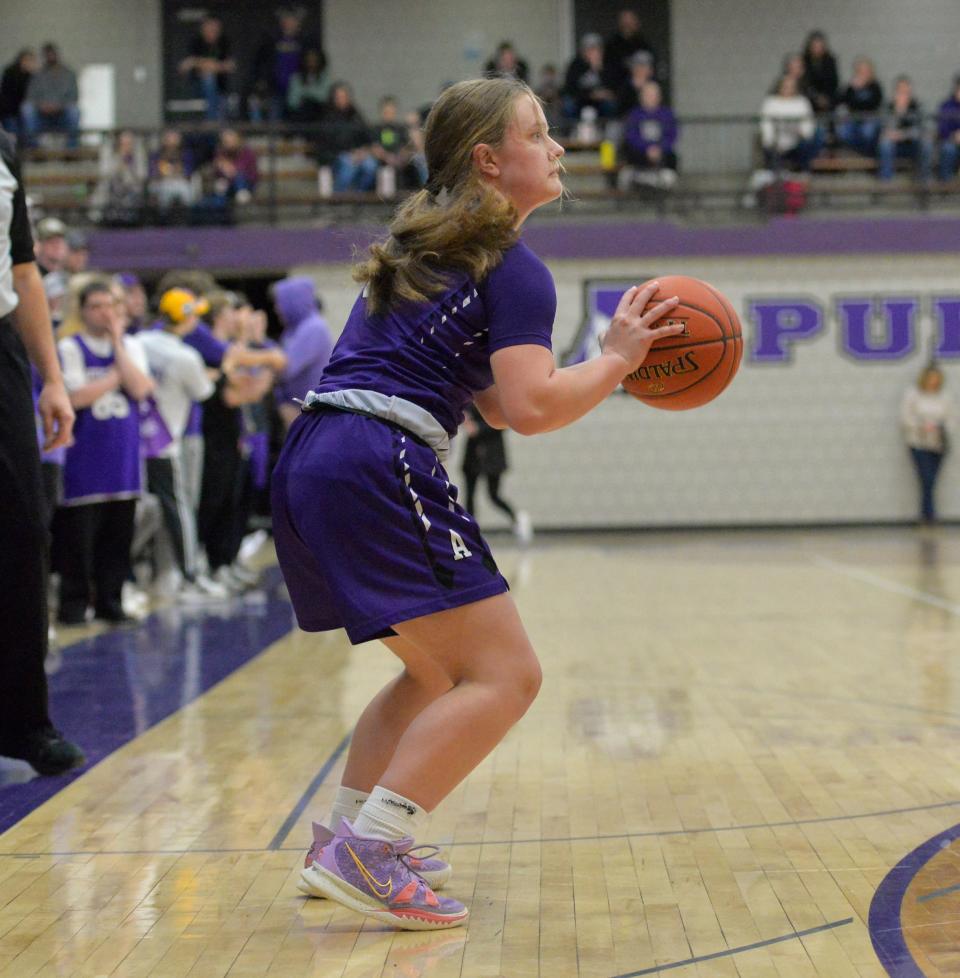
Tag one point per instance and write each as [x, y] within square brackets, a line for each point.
[744, 761]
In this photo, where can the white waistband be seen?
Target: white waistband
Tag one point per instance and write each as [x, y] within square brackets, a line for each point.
[406, 414]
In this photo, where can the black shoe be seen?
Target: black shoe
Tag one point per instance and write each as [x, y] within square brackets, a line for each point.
[48, 753]
[72, 618]
[115, 616]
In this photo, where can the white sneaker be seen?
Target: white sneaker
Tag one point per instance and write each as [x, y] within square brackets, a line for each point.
[134, 602]
[225, 578]
[251, 545]
[168, 585]
[192, 593]
[211, 587]
[523, 528]
[245, 576]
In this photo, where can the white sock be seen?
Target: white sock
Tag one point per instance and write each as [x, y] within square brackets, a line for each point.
[346, 804]
[387, 815]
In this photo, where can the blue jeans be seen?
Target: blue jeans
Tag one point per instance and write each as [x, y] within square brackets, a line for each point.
[860, 135]
[350, 174]
[928, 466]
[34, 122]
[889, 151]
[949, 155]
[209, 90]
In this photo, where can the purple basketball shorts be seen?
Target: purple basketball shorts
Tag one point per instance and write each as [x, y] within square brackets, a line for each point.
[368, 529]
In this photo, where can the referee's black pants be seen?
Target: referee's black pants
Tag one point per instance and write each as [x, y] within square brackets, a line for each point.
[24, 548]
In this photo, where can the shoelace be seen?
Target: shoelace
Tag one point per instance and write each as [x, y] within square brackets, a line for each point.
[428, 853]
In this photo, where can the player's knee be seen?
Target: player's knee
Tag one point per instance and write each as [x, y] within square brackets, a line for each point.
[525, 681]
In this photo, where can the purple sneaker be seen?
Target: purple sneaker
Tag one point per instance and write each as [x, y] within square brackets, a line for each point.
[432, 870]
[373, 877]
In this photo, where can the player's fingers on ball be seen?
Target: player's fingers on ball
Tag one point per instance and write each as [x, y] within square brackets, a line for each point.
[643, 294]
[660, 310]
[626, 299]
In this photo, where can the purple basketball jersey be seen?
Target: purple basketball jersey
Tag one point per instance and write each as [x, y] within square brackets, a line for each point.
[437, 353]
[104, 461]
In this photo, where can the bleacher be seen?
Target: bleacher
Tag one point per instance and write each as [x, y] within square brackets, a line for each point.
[61, 181]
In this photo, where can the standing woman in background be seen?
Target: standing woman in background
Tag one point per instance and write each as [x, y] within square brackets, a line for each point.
[927, 415]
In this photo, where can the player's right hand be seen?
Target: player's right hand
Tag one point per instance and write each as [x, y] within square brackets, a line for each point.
[633, 329]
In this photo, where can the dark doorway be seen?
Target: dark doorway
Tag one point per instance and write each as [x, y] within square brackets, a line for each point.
[600, 17]
[247, 24]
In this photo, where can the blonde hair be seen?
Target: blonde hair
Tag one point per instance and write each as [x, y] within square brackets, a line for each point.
[459, 222]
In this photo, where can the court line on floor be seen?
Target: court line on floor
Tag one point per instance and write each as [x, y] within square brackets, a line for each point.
[936, 894]
[794, 823]
[885, 584]
[738, 950]
[288, 823]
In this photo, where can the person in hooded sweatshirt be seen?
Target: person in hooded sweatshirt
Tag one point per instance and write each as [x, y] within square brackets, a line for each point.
[306, 340]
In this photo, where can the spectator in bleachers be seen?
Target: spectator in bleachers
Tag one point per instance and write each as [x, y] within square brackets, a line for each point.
[787, 128]
[794, 66]
[586, 82]
[118, 197]
[309, 88]
[51, 246]
[306, 340]
[78, 253]
[169, 172]
[346, 143]
[234, 170]
[277, 61]
[948, 132]
[862, 96]
[820, 72]
[106, 375]
[506, 61]
[210, 65]
[618, 52]
[418, 156]
[51, 103]
[393, 147]
[641, 72]
[650, 137]
[903, 136]
[548, 90]
[13, 88]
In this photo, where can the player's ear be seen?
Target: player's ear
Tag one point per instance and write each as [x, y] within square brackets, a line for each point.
[485, 160]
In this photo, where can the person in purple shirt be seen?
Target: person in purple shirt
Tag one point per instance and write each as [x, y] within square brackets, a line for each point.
[278, 59]
[455, 309]
[650, 132]
[948, 132]
[106, 374]
[306, 341]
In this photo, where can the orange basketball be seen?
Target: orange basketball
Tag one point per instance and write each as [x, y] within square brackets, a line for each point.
[695, 366]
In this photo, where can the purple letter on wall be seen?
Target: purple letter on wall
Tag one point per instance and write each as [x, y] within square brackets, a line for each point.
[947, 312]
[894, 341]
[779, 324]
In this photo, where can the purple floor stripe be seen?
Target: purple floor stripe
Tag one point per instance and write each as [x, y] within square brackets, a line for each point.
[114, 686]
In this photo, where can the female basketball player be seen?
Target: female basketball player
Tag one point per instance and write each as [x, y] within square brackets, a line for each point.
[455, 308]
